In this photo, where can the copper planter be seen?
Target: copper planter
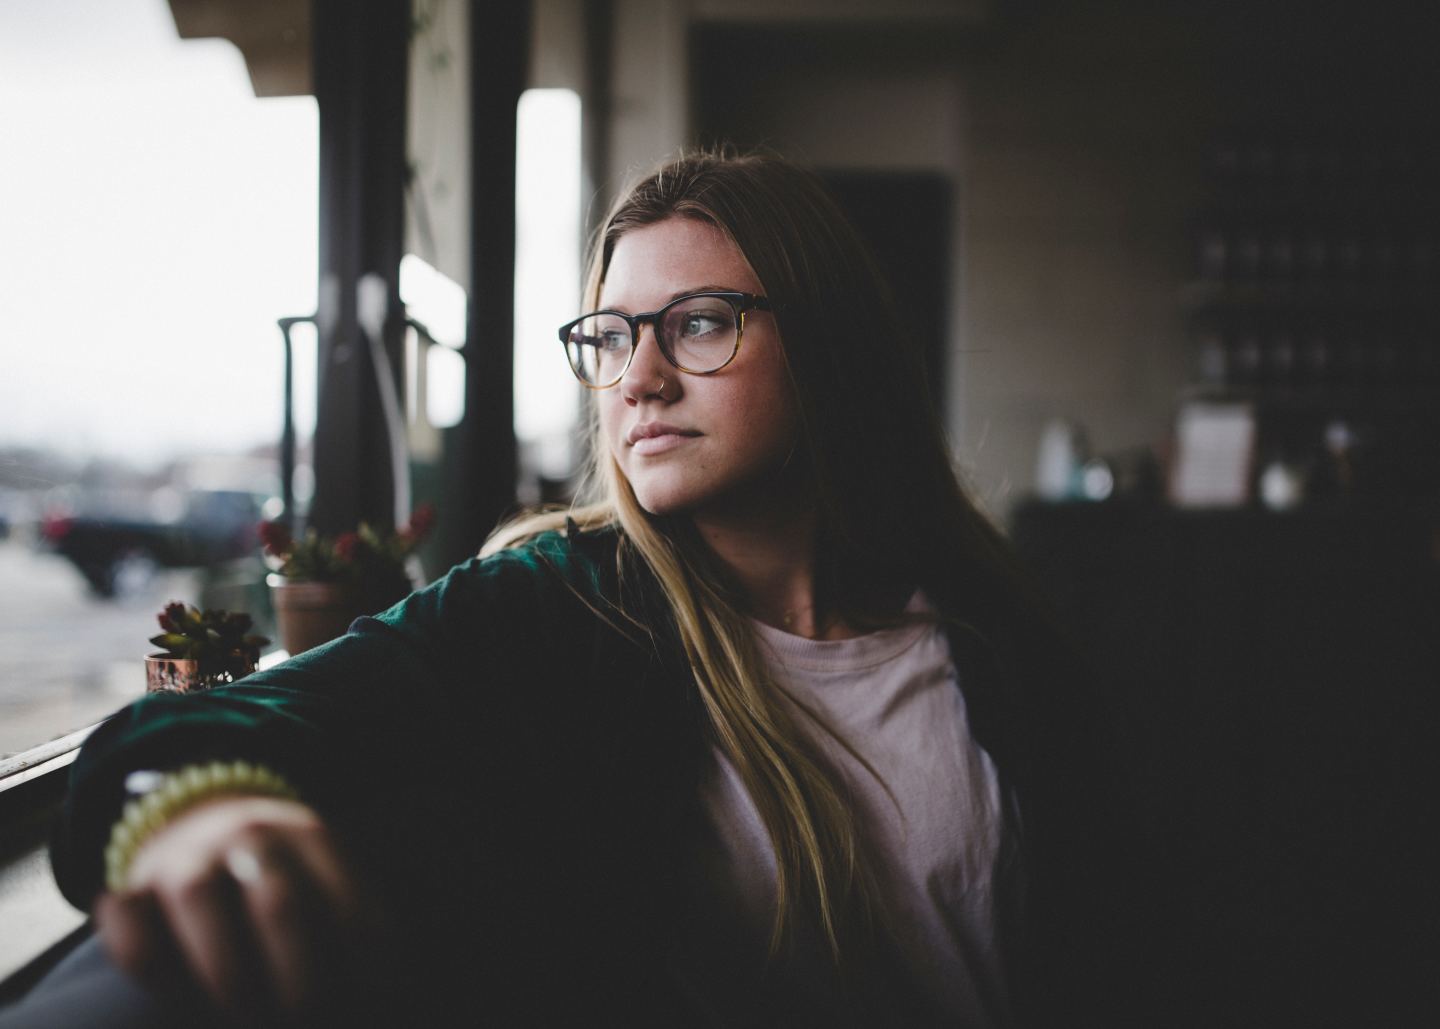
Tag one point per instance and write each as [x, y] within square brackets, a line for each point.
[165, 674]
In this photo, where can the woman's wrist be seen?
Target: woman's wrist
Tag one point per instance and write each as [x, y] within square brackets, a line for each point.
[173, 793]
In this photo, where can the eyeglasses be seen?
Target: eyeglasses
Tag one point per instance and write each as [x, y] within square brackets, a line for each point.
[699, 333]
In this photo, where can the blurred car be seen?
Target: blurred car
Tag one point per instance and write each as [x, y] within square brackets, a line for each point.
[112, 547]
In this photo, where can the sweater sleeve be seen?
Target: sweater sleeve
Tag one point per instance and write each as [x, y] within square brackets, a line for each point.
[376, 703]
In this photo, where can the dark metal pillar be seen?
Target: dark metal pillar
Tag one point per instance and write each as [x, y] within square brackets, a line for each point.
[500, 42]
[361, 50]
[595, 120]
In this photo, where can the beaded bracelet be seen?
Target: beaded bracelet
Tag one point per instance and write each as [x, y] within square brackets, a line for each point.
[178, 791]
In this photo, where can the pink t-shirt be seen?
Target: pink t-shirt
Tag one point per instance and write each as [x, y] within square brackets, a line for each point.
[893, 696]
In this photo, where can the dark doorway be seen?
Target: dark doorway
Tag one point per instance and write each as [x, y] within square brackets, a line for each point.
[905, 217]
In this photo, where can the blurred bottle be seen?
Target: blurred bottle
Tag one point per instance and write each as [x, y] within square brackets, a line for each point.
[1282, 485]
[1062, 453]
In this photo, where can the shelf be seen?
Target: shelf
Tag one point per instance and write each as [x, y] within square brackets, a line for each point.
[1341, 399]
[1308, 298]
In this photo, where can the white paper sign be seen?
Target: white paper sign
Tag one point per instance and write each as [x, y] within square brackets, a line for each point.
[1214, 451]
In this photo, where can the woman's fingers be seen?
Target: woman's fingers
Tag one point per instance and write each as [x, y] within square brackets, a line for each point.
[207, 916]
[293, 926]
[305, 906]
[133, 931]
[250, 897]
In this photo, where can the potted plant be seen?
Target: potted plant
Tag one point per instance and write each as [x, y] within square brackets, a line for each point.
[320, 584]
[201, 649]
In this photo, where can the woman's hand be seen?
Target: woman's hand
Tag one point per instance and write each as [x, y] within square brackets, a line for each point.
[246, 898]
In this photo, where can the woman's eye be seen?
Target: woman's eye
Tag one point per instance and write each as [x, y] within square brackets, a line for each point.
[612, 341]
[698, 324]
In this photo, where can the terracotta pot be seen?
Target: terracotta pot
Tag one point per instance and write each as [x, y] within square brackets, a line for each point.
[165, 674]
[308, 614]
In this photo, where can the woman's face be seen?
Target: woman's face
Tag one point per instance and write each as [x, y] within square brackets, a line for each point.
[702, 442]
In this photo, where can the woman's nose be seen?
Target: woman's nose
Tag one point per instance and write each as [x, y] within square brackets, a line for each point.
[650, 376]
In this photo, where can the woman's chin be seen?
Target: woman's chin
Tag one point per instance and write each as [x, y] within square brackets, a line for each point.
[663, 502]
[775, 491]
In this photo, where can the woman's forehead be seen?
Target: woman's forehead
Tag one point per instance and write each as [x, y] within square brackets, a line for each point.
[655, 262]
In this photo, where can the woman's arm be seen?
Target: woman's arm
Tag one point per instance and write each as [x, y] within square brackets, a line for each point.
[311, 721]
[360, 714]
[502, 766]
[250, 897]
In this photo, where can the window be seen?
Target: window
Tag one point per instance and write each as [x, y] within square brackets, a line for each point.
[547, 285]
[157, 220]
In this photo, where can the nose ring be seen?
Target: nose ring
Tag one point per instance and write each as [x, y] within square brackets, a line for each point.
[661, 391]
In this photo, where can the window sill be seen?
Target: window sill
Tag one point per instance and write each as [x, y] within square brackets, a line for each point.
[36, 917]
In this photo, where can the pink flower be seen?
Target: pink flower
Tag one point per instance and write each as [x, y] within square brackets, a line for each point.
[347, 545]
[275, 538]
[422, 520]
[170, 619]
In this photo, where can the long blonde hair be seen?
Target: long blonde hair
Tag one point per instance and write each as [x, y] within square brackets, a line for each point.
[892, 516]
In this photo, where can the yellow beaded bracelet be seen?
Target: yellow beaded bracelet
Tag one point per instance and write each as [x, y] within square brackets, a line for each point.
[178, 791]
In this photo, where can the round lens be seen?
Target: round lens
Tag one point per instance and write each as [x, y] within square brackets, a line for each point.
[699, 333]
[598, 347]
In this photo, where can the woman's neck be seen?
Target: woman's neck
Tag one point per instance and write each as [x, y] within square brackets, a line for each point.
[772, 556]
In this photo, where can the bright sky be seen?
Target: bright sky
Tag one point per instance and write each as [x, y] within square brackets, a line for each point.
[156, 219]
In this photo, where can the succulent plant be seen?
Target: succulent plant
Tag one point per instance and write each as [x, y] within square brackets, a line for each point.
[220, 641]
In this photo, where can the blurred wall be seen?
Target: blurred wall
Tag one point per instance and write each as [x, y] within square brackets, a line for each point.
[1084, 142]
[1075, 134]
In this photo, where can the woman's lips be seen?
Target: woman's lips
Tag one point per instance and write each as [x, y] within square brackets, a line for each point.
[650, 438]
[649, 446]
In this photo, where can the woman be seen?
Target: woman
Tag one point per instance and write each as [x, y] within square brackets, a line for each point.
[770, 733]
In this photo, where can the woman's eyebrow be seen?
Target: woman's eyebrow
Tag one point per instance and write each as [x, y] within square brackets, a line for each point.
[712, 288]
[686, 292]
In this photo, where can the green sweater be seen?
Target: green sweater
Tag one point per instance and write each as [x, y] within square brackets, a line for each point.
[518, 761]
